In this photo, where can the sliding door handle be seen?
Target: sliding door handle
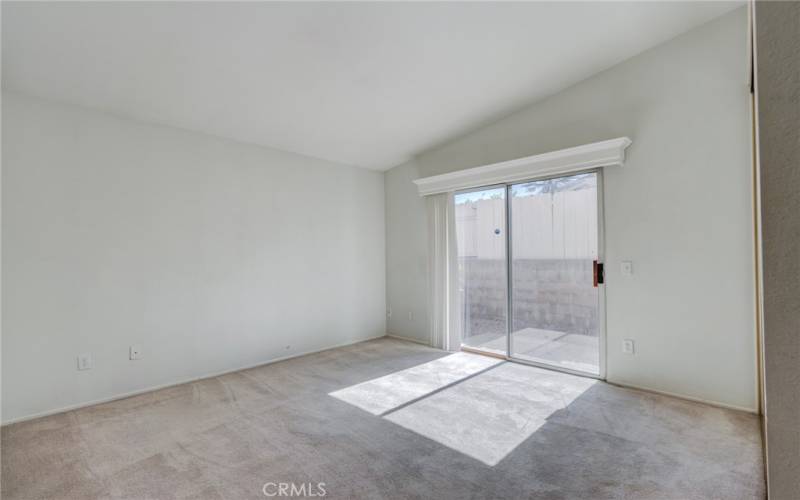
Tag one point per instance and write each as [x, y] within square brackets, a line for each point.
[598, 274]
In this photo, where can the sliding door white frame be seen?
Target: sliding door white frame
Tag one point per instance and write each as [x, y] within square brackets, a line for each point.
[509, 281]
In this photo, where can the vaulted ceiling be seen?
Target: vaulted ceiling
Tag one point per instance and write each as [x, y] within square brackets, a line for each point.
[365, 84]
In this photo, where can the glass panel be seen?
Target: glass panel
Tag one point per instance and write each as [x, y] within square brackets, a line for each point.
[481, 236]
[555, 307]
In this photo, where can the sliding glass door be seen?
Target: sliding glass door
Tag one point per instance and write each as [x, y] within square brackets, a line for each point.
[482, 271]
[528, 271]
[554, 299]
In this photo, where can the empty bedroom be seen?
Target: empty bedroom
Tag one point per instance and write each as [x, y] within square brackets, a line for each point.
[400, 250]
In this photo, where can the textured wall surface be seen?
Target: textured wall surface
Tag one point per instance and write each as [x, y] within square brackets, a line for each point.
[778, 91]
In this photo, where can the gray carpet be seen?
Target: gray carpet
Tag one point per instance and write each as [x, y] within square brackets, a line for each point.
[388, 419]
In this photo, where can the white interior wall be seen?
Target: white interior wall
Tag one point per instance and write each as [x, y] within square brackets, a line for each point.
[211, 254]
[680, 210]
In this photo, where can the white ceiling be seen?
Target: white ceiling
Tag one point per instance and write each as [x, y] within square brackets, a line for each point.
[366, 84]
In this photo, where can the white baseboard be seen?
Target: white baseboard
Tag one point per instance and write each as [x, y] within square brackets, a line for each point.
[684, 397]
[180, 382]
[344, 344]
[408, 339]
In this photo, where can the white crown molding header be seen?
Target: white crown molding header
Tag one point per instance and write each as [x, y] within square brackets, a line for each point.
[598, 154]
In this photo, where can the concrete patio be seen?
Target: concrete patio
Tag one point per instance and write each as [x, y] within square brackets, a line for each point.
[564, 350]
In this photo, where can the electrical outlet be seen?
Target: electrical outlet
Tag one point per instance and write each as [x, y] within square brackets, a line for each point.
[136, 352]
[389, 313]
[85, 361]
[411, 315]
[626, 268]
[627, 346]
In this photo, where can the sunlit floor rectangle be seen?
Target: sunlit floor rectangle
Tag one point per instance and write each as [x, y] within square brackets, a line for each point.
[387, 393]
[489, 415]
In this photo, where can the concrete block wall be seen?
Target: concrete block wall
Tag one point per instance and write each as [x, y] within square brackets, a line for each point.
[552, 294]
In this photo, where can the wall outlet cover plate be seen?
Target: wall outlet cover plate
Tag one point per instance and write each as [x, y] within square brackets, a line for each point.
[85, 361]
[627, 346]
